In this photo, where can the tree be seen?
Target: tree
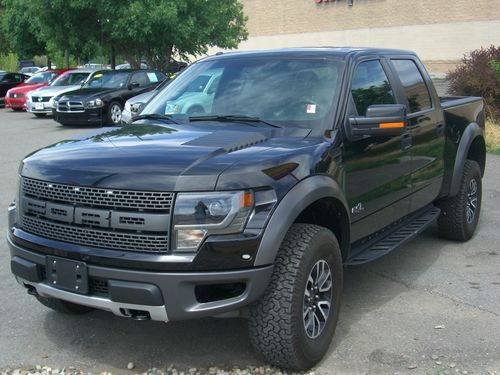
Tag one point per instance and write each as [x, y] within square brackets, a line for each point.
[66, 25]
[18, 29]
[159, 28]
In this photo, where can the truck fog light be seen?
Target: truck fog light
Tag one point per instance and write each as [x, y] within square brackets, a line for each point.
[189, 238]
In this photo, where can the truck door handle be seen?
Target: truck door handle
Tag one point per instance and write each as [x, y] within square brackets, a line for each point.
[406, 141]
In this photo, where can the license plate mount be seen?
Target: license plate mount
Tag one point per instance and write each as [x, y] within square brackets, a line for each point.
[67, 274]
[39, 106]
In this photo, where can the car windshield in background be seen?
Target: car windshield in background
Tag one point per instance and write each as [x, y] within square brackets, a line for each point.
[293, 92]
[108, 80]
[70, 79]
[41, 77]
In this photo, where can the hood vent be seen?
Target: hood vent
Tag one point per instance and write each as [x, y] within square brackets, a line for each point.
[229, 141]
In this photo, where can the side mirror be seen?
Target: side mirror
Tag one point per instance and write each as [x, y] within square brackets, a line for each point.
[384, 120]
[133, 85]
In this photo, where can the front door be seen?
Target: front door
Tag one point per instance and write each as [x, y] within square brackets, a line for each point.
[377, 183]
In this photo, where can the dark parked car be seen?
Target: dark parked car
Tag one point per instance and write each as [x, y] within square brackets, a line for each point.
[8, 81]
[305, 161]
[100, 101]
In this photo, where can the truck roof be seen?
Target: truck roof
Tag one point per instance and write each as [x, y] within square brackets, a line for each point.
[312, 52]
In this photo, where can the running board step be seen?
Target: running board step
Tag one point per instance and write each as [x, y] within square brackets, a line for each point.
[406, 231]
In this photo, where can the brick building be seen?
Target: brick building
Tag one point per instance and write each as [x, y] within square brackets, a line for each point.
[440, 31]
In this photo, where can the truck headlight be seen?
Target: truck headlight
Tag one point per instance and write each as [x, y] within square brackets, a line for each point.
[96, 103]
[197, 215]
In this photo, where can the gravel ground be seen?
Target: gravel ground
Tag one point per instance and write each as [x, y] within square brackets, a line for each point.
[431, 307]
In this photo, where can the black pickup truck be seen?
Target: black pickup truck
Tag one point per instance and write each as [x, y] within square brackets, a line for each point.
[306, 160]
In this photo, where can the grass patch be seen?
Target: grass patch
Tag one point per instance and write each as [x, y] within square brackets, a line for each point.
[493, 136]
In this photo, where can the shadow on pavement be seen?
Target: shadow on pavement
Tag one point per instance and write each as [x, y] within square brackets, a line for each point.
[113, 341]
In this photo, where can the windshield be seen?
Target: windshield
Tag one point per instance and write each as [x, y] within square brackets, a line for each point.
[69, 79]
[286, 91]
[44, 77]
[108, 80]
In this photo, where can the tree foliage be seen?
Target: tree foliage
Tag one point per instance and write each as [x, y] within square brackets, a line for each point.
[476, 76]
[159, 28]
[19, 30]
[154, 29]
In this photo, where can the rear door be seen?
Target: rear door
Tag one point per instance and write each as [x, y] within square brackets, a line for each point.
[378, 185]
[426, 126]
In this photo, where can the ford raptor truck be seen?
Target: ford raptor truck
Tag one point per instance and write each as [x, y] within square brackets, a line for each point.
[304, 161]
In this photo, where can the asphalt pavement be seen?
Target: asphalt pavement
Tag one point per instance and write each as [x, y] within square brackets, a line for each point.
[431, 307]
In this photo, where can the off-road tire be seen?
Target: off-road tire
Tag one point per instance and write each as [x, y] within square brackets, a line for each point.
[40, 115]
[452, 222]
[276, 321]
[63, 306]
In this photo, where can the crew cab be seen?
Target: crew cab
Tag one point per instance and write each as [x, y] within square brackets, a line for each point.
[16, 97]
[307, 160]
[101, 99]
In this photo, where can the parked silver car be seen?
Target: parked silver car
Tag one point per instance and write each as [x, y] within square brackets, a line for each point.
[134, 105]
[40, 101]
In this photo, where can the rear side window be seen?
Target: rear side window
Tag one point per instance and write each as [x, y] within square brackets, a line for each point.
[370, 85]
[414, 84]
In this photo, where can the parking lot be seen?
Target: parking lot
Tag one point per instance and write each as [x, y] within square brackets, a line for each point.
[430, 307]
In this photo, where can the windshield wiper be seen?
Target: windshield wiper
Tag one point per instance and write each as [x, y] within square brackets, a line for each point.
[156, 116]
[232, 118]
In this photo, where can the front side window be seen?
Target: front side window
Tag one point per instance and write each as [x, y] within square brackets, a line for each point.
[414, 85]
[286, 91]
[370, 86]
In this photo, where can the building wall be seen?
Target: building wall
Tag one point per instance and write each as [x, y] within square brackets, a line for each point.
[440, 31]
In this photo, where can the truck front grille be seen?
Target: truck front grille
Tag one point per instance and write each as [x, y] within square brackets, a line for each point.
[95, 238]
[98, 197]
[105, 218]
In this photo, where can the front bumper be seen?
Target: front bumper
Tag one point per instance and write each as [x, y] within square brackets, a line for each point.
[19, 103]
[92, 116]
[39, 107]
[162, 296]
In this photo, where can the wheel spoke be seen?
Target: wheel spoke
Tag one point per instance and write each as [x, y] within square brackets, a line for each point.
[324, 309]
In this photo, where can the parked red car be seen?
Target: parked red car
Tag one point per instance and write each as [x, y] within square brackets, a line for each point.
[16, 97]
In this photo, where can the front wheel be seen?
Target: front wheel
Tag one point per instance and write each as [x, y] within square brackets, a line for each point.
[293, 324]
[460, 215]
[114, 113]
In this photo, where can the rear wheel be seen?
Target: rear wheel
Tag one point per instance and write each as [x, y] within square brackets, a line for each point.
[114, 113]
[460, 214]
[293, 323]
[63, 306]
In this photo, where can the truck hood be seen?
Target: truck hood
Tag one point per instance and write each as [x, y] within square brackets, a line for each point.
[54, 90]
[154, 157]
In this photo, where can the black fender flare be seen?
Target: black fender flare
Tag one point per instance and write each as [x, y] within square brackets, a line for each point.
[471, 132]
[289, 208]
